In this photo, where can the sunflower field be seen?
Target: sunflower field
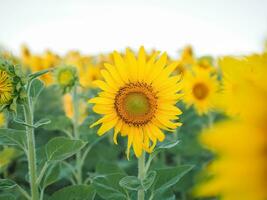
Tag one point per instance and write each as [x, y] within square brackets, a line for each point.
[132, 125]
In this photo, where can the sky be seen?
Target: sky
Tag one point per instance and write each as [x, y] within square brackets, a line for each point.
[216, 27]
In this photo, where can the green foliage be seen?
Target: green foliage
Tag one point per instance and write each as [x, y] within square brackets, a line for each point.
[13, 137]
[61, 148]
[76, 192]
[6, 184]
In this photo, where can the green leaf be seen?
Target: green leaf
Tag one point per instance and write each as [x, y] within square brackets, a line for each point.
[107, 187]
[61, 148]
[149, 180]
[6, 184]
[106, 182]
[52, 175]
[60, 122]
[131, 183]
[7, 197]
[76, 192]
[39, 73]
[42, 122]
[13, 137]
[168, 144]
[167, 177]
[36, 88]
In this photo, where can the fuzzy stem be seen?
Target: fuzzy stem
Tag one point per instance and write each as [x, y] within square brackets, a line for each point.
[141, 174]
[79, 177]
[28, 113]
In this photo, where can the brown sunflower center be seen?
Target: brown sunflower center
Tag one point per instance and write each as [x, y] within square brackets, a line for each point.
[200, 91]
[136, 103]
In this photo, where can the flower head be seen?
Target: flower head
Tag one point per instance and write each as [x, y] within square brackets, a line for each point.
[138, 99]
[200, 90]
[66, 77]
[12, 84]
[240, 145]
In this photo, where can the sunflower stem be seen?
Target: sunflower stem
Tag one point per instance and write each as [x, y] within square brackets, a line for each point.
[31, 155]
[79, 178]
[141, 174]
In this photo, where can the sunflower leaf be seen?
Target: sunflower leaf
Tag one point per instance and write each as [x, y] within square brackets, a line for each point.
[61, 148]
[77, 192]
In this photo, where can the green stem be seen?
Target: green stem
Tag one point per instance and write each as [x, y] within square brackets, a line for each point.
[77, 134]
[28, 113]
[141, 174]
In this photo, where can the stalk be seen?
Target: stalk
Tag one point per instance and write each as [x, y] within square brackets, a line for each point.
[141, 174]
[28, 113]
[77, 134]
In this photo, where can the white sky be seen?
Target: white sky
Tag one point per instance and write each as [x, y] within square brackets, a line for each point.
[212, 26]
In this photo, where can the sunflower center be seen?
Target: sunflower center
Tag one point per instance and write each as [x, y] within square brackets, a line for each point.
[6, 88]
[200, 91]
[65, 77]
[136, 103]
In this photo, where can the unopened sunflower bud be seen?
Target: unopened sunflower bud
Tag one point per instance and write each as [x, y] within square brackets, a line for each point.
[66, 77]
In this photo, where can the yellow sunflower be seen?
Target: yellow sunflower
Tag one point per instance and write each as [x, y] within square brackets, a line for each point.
[89, 74]
[200, 89]
[243, 77]
[6, 88]
[138, 99]
[68, 108]
[240, 170]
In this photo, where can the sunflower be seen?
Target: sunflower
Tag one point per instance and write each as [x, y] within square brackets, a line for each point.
[68, 107]
[66, 77]
[240, 145]
[200, 89]
[241, 152]
[89, 75]
[12, 82]
[138, 99]
[6, 88]
[243, 77]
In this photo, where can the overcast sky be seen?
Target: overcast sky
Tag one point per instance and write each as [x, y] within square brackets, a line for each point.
[212, 26]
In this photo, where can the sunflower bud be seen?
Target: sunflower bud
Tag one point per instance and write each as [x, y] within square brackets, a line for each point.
[66, 77]
[12, 83]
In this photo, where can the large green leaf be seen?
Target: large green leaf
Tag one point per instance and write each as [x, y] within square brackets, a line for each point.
[13, 137]
[7, 197]
[167, 177]
[76, 192]
[61, 148]
[106, 182]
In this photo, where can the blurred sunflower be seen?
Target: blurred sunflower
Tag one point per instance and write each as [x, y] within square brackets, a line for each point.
[241, 151]
[240, 145]
[138, 99]
[7, 155]
[2, 119]
[66, 77]
[241, 78]
[88, 75]
[186, 60]
[200, 90]
[68, 107]
[40, 62]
